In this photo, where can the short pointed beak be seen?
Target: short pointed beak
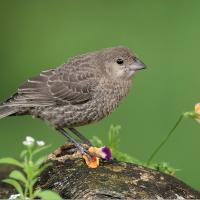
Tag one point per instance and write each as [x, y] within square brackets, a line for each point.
[138, 65]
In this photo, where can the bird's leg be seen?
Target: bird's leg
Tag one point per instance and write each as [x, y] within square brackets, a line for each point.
[81, 148]
[79, 135]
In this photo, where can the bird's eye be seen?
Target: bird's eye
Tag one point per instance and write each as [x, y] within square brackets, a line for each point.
[120, 61]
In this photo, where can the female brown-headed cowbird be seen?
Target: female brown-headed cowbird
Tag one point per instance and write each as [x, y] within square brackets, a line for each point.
[83, 90]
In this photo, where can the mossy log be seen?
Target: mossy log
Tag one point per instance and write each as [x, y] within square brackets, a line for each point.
[72, 179]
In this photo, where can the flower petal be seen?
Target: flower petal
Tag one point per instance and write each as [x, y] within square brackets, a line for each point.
[40, 143]
[106, 153]
[14, 196]
[30, 139]
[27, 143]
[197, 109]
[102, 152]
[92, 162]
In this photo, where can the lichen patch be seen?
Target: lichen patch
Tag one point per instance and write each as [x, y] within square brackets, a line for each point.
[146, 177]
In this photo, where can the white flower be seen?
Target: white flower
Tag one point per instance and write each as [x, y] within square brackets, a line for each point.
[40, 143]
[26, 143]
[14, 196]
[29, 141]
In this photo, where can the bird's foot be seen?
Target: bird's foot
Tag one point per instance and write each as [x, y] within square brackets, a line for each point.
[90, 154]
[85, 151]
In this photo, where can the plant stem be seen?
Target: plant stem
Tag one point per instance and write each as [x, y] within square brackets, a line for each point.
[30, 191]
[165, 140]
[26, 191]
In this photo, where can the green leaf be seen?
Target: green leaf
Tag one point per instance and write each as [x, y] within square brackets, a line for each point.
[97, 142]
[15, 184]
[124, 157]
[48, 195]
[18, 176]
[11, 161]
[23, 153]
[113, 137]
[33, 181]
[40, 161]
[164, 167]
[36, 192]
[39, 149]
[29, 169]
[41, 169]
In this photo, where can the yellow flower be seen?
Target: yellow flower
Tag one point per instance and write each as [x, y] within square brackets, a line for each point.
[92, 160]
[197, 112]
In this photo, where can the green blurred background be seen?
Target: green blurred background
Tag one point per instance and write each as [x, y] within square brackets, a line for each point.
[36, 35]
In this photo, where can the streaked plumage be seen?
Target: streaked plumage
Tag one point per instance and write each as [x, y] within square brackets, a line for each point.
[83, 90]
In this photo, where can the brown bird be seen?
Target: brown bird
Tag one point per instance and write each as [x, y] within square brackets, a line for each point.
[81, 91]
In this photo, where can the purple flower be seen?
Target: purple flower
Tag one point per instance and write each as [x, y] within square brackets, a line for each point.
[106, 153]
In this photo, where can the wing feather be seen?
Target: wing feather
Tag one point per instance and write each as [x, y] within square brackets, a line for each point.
[63, 85]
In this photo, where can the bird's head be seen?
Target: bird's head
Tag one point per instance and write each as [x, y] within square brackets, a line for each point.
[120, 62]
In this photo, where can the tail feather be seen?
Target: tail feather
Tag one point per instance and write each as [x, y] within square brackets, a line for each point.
[6, 111]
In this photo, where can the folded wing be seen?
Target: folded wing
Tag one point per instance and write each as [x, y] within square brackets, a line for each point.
[59, 86]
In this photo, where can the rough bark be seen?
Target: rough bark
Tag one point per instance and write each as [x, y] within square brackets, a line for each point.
[72, 179]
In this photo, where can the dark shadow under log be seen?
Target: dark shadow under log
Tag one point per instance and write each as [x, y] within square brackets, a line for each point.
[71, 178]
[5, 189]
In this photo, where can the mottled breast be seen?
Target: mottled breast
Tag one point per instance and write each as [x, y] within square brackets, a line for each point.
[107, 97]
[110, 95]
